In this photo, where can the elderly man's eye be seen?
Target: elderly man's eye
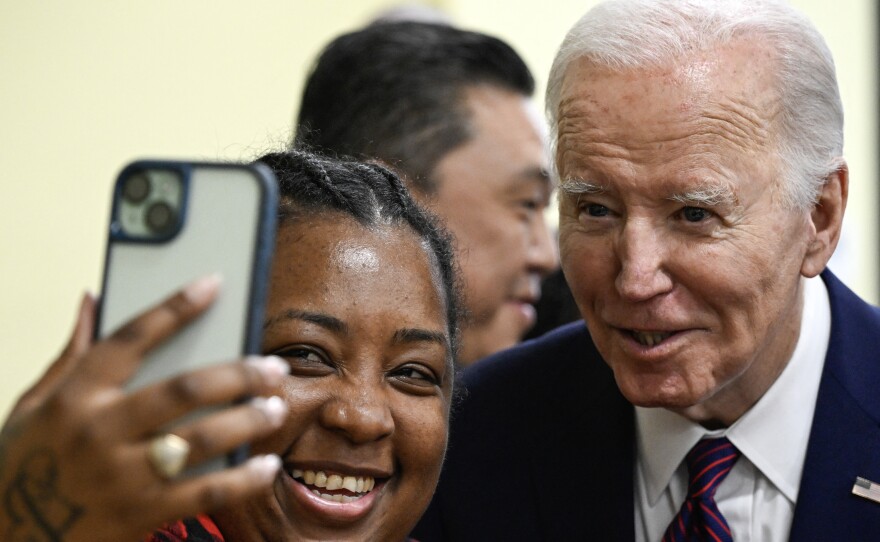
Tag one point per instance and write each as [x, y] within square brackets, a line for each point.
[594, 209]
[695, 214]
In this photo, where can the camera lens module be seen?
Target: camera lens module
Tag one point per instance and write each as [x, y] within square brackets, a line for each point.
[160, 218]
[136, 188]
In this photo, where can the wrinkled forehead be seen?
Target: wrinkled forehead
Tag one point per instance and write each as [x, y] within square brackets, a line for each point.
[729, 90]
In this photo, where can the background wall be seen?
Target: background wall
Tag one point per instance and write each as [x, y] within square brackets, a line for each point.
[90, 85]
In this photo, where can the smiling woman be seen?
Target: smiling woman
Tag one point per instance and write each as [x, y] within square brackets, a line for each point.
[361, 308]
[360, 337]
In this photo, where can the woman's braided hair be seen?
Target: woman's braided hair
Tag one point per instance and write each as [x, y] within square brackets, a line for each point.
[311, 184]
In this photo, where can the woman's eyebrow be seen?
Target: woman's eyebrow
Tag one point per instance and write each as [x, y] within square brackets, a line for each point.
[323, 320]
[411, 335]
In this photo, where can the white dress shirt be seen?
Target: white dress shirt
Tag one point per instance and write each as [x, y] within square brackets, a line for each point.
[759, 494]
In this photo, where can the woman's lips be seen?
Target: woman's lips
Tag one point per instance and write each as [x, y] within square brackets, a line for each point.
[335, 487]
[334, 496]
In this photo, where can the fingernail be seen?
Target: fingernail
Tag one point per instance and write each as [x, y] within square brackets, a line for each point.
[273, 368]
[202, 289]
[265, 467]
[273, 407]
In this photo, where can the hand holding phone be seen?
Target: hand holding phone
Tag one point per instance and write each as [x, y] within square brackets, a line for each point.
[74, 453]
[75, 448]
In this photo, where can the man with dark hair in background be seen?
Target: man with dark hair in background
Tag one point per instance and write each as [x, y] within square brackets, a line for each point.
[450, 109]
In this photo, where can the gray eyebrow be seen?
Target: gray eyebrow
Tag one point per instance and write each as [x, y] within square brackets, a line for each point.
[709, 195]
[580, 186]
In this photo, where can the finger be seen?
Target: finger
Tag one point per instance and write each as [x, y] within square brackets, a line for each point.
[83, 330]
[70, 357]
[205, 494]
[221, 432]
[116, 358]
[156, 405]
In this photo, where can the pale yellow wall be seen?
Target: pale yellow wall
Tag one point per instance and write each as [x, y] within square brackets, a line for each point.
[89, 85]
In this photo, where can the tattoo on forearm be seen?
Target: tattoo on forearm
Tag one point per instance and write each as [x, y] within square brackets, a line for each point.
[38, 512]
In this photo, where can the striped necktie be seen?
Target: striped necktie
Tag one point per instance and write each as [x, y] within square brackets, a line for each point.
[699, 519]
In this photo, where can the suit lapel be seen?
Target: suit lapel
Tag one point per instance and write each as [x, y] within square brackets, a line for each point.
[844, 440]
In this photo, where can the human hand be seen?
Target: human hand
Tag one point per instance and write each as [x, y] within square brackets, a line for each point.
[73, 454]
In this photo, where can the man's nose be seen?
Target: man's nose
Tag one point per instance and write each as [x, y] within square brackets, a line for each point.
[543, 255]
[642, 253]
[358, 413]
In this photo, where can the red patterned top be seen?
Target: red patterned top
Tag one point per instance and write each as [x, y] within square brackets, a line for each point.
[197, 529]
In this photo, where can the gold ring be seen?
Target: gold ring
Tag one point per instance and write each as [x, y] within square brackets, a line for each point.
[168, 454]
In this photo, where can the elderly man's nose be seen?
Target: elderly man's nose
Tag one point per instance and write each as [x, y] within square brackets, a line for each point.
[642, 274]
[361, 418]
[543, 253]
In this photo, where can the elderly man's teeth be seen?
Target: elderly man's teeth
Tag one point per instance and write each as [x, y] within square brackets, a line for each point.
[649, 338]
[355, 484]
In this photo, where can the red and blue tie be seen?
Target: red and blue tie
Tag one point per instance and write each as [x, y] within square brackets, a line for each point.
[699, 519]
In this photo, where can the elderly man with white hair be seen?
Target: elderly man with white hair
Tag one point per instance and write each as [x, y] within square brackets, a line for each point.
[725, 385]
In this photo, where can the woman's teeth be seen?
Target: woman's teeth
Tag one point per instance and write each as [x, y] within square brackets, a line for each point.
[358, 485]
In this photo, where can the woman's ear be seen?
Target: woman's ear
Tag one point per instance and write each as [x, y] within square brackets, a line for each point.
[826, 219]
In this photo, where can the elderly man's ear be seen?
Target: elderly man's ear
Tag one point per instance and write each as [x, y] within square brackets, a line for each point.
[826, 219]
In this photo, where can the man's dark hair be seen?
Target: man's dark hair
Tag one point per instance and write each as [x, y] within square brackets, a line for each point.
[393, 91]
[312, 185]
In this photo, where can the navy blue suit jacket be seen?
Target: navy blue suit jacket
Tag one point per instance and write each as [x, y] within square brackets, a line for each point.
[543, 445]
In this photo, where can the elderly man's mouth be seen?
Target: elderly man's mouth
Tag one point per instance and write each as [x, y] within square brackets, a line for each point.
[334, 487]
[650, 338]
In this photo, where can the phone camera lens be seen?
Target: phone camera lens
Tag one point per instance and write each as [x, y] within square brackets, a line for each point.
[160, 218]
[137, 188]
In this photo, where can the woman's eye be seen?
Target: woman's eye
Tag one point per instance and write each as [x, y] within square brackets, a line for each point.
[695, 214]
[304, 358]
[415, 375]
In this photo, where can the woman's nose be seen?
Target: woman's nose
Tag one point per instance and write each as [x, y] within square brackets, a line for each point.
[361, 416]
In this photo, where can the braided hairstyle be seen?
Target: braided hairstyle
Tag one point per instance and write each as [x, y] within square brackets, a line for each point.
[310, 184]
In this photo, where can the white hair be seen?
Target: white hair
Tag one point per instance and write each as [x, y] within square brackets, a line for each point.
[631, 34]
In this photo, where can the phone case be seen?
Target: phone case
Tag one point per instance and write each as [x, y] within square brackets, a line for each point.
[226, 226]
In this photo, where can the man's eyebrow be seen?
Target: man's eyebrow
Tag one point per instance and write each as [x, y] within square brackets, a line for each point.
[415, 335]
[323, 320]
[580, 186]
[709, 195]
[532, 173]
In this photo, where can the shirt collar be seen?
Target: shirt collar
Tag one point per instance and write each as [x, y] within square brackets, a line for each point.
[772, 434]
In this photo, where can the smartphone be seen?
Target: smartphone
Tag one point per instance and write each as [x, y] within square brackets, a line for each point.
[172, 222]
